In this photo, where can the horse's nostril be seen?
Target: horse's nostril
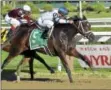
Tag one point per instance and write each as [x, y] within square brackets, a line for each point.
[92, 37]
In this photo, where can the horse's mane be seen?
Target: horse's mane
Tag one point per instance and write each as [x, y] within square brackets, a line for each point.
[24, 25]
[22, 28]
[62, 24]
[76, 18]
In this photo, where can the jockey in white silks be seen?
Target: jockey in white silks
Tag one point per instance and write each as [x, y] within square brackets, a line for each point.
[48, 19]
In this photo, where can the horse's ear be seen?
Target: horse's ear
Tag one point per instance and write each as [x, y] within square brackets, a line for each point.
[84, 17]
[75, 18]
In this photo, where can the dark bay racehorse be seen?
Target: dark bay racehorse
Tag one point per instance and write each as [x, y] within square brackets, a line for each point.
[60, 43]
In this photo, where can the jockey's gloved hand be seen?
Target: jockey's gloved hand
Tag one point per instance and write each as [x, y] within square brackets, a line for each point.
[70, 21]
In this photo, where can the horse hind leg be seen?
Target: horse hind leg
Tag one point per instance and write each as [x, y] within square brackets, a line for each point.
[43, 62]
[10, 56]
[6, 61]
[13, 52]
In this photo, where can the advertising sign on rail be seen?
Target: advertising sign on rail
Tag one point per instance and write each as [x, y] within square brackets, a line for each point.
[98, 55]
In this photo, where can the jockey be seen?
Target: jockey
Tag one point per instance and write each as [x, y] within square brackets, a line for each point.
[48, 19]
[15, 16]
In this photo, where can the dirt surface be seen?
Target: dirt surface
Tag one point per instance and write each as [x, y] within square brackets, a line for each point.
[9, 82]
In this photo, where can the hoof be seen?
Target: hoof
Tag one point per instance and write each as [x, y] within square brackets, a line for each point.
[52, 71]
[1, 70]
[71, 81]
[18, 79]
[34, 72]
[32, 78]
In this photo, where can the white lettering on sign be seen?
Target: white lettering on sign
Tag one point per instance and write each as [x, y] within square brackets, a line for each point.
[98, 55]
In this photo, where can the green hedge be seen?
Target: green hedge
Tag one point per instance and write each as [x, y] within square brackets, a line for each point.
[34, 8]
[5, 9]
[99, 7]
[87, 7]
[47, 7]
[70, 7]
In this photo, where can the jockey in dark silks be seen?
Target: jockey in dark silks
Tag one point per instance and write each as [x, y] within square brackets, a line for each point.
[15, 16]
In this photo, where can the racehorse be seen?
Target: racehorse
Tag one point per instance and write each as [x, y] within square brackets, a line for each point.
[60, 43]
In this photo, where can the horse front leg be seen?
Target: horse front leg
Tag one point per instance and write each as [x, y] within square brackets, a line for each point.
[20, 66]
[31, 67]
[62, 56]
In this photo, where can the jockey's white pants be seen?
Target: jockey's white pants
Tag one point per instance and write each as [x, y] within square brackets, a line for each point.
[12, 21]
[45, 23]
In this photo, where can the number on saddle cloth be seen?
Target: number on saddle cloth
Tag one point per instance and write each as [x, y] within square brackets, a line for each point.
[36, 40]
[4, 33]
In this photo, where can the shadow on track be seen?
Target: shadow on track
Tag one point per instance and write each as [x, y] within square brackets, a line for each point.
[9, 75]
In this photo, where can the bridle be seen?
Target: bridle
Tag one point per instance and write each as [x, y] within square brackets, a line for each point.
[82, 30]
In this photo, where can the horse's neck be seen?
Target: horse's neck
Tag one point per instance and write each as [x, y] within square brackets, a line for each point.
[73, 32]
[71, 29]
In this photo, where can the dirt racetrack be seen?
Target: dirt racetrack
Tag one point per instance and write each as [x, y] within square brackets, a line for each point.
[40, 82]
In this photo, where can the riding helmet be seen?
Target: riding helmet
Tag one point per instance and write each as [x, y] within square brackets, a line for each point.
[63, 11]
[26, 8]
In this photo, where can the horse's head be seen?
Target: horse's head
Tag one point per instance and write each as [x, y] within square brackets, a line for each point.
[84, 27]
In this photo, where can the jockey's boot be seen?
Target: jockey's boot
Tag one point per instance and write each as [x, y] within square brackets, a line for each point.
[45, 34]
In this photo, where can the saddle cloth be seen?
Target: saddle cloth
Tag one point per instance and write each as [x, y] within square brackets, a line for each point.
[36, 40]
